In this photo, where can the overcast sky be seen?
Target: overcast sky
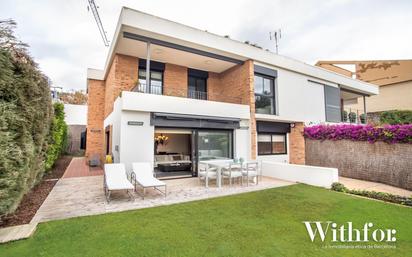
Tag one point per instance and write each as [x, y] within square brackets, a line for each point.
[65, 41]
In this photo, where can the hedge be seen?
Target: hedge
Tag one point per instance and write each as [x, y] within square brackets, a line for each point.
[58, 136]
[26, 115]
[373, 194]
[389, 133]
[396, 117]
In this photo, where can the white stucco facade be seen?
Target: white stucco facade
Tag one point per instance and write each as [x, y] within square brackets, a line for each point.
[75, 114]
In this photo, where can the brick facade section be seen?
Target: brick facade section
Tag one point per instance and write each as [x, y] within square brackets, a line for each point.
[236, 85]
[175, 80]
[122, 76]
[297, 144]
[95, 117]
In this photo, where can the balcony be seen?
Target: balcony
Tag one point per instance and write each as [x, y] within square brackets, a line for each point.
[351, 115]
[144, 102]
[353, 107]
[170, 90]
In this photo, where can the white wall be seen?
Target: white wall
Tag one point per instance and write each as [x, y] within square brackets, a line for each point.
[136, 142]
[299, 99]
[312, 175]
[75, 114]
[241, 143]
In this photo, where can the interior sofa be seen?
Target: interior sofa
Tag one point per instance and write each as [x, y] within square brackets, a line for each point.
[172, 162]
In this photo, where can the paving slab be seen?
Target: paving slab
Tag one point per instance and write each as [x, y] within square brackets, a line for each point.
[358, 184]
[84, 196]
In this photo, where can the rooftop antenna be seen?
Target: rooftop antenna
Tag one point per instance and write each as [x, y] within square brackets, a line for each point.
[276, 35]
[92, 5]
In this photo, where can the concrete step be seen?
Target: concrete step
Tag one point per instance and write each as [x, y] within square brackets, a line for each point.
[17, 232]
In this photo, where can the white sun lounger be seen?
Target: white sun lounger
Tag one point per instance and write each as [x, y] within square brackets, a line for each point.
[142, 174]
[115, 178]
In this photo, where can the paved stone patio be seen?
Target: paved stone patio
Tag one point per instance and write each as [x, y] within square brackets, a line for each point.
[373, 186]
[82, 196]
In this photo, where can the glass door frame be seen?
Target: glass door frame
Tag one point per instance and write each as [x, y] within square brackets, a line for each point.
[195, 145]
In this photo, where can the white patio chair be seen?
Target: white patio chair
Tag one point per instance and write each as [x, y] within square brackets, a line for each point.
[142, 174]
[232, 172]
[206, 173]
[251, 170]
[115, 178]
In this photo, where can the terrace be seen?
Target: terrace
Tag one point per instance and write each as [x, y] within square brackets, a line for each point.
[83, 195]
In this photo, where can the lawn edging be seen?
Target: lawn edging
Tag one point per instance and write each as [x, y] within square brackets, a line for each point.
[386, 197]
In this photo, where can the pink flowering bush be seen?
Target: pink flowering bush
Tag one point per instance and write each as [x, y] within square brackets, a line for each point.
[389, 134]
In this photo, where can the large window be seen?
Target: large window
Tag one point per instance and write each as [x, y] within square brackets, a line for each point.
[332, 104]
[269, 144]
[156, 82]
[197, 84]
[264, 94]
[197, 88]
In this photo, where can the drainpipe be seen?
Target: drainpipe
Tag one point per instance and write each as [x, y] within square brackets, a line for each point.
[148, 67]
[364, 109]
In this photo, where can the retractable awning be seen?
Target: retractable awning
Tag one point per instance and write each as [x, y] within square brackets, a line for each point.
[193, 121]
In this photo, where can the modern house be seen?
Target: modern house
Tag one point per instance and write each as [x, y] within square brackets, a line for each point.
[205, 97]
[394, 78]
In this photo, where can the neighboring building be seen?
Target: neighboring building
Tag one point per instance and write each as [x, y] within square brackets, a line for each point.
[394, 78]
[76, 120]
[207, 97]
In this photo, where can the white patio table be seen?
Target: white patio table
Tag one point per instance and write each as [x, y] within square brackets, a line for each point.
[219, 164]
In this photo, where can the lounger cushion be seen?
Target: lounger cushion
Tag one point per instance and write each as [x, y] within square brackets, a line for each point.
[115, 176]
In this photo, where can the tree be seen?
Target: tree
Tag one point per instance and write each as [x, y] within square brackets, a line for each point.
[76, 97]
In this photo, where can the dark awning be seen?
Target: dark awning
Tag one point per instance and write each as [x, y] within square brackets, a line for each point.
[192, 121]
[272, 127]
[157, 66]
[265, 71]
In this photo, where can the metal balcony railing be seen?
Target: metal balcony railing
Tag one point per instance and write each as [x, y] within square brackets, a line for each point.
[350, 115]
[197, 95]
[152, 89]
[179, 92]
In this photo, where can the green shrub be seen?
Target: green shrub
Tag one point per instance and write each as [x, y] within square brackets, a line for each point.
[57, 136]
[396, 117]
[338, 187]
[375, 195]
[25, 116]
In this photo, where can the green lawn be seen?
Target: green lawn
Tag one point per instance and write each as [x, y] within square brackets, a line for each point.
[264, 223]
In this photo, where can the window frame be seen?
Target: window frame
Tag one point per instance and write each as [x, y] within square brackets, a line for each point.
[272, 96]
[285, 135]
[196, 78]
[139, 77]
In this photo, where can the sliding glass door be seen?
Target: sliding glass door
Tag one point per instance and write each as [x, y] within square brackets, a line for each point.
[214, 145]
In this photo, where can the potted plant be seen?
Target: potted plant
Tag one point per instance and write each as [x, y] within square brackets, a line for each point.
[352, 117]
[362, 118]
[344, 116]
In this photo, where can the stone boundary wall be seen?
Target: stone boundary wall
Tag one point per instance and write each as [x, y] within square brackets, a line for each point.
[379, 162]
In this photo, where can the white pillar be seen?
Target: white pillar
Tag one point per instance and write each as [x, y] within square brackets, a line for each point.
[148, 67]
